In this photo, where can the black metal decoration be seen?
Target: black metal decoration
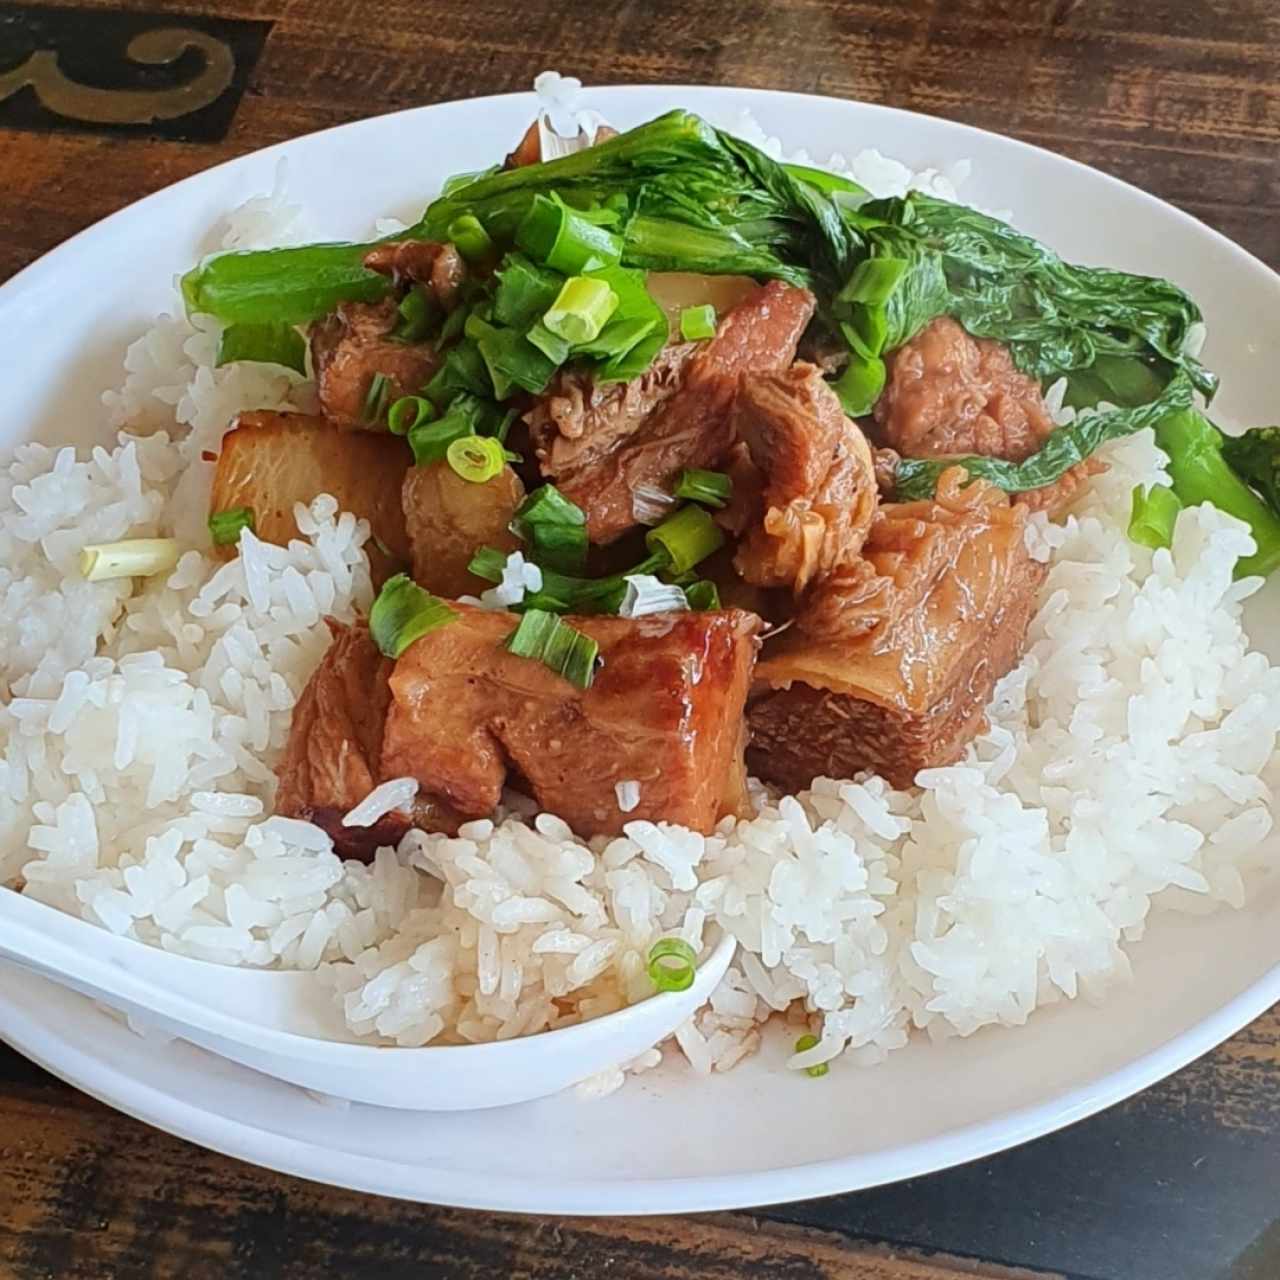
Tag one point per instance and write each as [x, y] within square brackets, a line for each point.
[177, 76]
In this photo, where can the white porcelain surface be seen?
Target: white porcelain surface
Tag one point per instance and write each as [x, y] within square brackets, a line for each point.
[669, 1141]
[288, 1025]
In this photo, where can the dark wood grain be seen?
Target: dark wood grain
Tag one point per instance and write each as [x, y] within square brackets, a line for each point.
[1182, 1183]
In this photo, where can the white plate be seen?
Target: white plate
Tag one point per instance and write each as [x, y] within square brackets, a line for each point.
[668, 1142]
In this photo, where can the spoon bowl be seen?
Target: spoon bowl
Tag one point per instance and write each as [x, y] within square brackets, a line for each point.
[287, 1024]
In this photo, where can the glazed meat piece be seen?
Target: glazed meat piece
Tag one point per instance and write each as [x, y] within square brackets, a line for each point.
[269, 461]
[332, 758]
[352, 345]
[665, 711]
[602, 444]
[893, 659]
[817, 486]
[950, 394]
[448, 518]
[439, 267]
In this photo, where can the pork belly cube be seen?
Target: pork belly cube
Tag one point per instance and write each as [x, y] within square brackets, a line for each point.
[664, 712]
[333, 757]
[270, 461]
[893, 660]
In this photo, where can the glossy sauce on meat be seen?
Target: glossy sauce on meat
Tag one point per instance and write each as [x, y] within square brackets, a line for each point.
[665, 711]
[949, 394]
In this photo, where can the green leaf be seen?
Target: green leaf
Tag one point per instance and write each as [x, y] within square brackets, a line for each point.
[1255, 457]
[525, 290]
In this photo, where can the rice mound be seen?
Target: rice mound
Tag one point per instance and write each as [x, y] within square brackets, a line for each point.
[1129, 764]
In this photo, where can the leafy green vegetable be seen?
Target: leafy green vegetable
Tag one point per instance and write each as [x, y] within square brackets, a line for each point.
[1067, 446]
[1200, 472]
[466, 415]
[281, 286]
[524, 292]
[269, 343]
[1255, 456]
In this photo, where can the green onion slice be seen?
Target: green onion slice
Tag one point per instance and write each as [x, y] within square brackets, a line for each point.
[672, 964]
[702, 596]
[581, 310]
[403, 613]
[375, 399]
[566, 239]
[860, 385]
[409, 412]
[1153, 516]
[646, 594]
[698, 322]
[686, 538]
[225, 526]
[546, 638]
[874, 281]
[133, 558]
[811, 1042]
[554, 528]
[711, 488]
[417, 313]
[468, 233]
[476, 458]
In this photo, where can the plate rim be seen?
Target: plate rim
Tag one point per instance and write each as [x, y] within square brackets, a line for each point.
[63, 1057]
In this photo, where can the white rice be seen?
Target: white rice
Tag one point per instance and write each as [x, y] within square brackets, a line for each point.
[1129, 766]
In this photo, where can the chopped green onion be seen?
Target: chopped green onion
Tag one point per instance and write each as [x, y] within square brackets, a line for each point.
[874, 281]
[225, 526]
[1154, 513]
[487, 563]
[811, 1042]
[698, 322]
[868, 331]
[702, 596]
[464, 370]
[267, 343]
[134, 558]
[581, 310]
[409, 412]
[711, 488]
[686, 538]
[375, 398]
[564, 239]
[554, 347]
[860, 385]
[468, 233]
[476, 458]
[672, 964]
[525, 290]
[403, 613]
[466, 415]
[545, 638]
[554, 528]
[646, 594]
[417, 312]
[509, 357]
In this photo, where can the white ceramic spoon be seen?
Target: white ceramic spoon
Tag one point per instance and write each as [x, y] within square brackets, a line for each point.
[286, 1024]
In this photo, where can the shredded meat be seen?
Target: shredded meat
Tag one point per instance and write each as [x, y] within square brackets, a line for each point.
[332, 758]
[950, 394]
[818, 479]
[439, 267]
[665, 711]
[352, 345]
[602, 443]
[893, 658]
[1058, 497]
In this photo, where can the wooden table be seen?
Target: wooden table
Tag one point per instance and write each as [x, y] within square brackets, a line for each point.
[1180, 96]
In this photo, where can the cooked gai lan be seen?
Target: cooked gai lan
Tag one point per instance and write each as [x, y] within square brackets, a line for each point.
[649, 541]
